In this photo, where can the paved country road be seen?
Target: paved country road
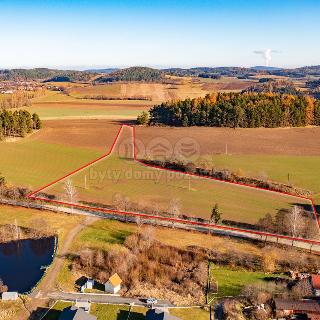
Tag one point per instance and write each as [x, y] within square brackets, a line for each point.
[314, 247]
[103, 298]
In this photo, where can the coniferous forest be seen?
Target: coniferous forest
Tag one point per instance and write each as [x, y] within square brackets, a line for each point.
[18, 123]
[245, 110]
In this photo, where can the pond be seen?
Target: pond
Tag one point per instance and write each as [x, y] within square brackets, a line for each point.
[22, 263]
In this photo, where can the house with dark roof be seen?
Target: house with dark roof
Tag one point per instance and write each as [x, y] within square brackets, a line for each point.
[158, 314]
[288, 307]
[74, 313]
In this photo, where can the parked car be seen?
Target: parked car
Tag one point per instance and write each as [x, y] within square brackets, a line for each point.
[152, 301]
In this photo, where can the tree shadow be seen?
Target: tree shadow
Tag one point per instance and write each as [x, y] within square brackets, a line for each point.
[124, 315]
[305, 206]
[45, 314]
[99, 286]
[126, 122]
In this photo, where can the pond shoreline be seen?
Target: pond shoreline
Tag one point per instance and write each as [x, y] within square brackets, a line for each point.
[25, 262]
[12, 233]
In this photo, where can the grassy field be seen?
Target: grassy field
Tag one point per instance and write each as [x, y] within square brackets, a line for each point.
[190, 313]
[58, 222]
[145, 186]
[33, 163]
[303, 171]
[56, 105]
[232, 281]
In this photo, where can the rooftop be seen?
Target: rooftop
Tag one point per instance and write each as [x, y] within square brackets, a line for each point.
[315, 280]
[298, 305]
[73, 313]
[115, 280]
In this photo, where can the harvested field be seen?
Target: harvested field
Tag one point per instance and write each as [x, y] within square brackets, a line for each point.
[84, 133]
[264, 141]
[231, 85]
[158, 92]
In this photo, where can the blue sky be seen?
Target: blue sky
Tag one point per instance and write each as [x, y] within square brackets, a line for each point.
[95, 33]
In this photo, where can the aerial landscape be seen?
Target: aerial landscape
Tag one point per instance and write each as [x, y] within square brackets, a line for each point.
[159, 160]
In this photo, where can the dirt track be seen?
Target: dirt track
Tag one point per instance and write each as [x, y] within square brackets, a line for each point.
[50, 280]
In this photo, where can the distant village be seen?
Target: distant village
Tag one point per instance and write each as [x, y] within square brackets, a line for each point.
[11, 87]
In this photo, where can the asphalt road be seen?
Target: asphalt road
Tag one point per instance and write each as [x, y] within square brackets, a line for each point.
[104, 298]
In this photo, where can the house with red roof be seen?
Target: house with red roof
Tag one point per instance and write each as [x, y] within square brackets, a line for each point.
[315, 282]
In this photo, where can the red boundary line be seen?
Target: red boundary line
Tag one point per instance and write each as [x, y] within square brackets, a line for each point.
[260, 233]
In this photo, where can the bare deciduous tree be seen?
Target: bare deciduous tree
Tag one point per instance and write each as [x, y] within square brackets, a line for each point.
[295, 221]
[174, 207]
[70, 191]
[302, 289]
[86, 257]
[121, 202]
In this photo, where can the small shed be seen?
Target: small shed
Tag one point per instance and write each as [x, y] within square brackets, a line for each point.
[10, 296]
[113, 285]
[85, 305]
[315, 282]
[89, 284]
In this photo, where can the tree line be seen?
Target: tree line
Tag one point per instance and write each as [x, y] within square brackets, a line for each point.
[245, 110]
[18, 123]
[133, 74]
[43, 74]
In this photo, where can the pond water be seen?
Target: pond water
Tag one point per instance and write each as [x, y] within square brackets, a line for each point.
[22, 262]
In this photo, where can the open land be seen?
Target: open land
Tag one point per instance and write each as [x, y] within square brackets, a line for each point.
[145, 186]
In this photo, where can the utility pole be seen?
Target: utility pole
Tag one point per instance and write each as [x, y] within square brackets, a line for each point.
[226, 148]
[85, 182]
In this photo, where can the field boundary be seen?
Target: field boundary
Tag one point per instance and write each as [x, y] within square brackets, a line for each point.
[33, 196]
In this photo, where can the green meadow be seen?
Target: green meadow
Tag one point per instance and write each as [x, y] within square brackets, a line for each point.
[300, 171]
[34, 163]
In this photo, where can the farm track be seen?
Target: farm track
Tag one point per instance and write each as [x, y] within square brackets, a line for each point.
[49, 282]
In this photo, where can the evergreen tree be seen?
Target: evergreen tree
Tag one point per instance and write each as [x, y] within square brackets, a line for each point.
[143, 118]
[246, 110]
[215, 214]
